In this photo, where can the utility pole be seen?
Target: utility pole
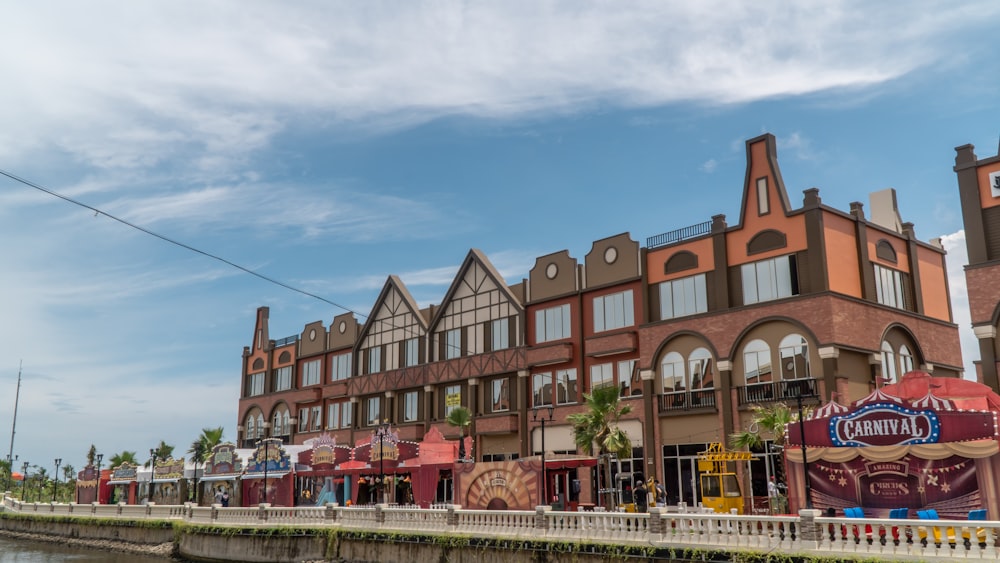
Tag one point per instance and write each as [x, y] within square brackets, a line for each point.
[13, 425]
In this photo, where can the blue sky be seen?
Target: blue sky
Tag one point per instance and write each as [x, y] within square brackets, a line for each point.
[330, 144]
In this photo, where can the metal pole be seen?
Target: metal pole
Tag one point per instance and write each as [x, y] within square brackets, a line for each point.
[100, 458]
[805, 460]
[381, 465]
[13, 425]
[55, 485]
[267, 452]
[152, 474]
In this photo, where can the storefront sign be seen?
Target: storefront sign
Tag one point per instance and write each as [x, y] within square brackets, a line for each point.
[885, 424]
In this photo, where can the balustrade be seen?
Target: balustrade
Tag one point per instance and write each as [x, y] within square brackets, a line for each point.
[870, 538]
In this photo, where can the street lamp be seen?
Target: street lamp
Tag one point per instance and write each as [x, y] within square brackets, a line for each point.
[100, 457]
[545, 482]
[24, 482]
[802, 437]
[267, 452]
[55, 485]
[152, 474]
[381, 433]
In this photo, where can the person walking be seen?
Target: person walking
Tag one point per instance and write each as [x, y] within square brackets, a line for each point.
[640, 496]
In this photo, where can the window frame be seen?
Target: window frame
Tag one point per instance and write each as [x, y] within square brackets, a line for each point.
[613, 311]
[777, 277]
[373, 406]
[340, 367]
[255, 384]
[670, 290]
[553, 323]
[312, 372]
[499, 395]
[411, 403]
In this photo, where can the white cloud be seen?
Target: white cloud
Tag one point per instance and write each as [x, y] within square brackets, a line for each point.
[956, 259]
[710, 165]
[211, 82]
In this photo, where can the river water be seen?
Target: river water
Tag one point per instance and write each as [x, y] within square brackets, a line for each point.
[21, 551]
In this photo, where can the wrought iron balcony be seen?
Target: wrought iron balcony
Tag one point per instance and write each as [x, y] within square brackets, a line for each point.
[781, 390]
[679, 234]
[687, 400]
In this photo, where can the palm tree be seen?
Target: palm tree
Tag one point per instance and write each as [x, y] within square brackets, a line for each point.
[201, 449]
[69, 476]
[599, 426]
[124, 457]
[460, 417]
[163, 451]
[770, 420]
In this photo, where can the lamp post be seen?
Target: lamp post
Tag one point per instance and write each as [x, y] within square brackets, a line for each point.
[267, 453]
[805, 460]
[24, 482]
[100, 458]
[55, 484]
[543, 419]
[152, 474]
[381, 433]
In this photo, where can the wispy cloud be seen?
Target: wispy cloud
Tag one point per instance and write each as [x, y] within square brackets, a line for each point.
[957, 259]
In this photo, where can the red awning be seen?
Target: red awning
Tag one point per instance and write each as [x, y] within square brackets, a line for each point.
[572, 463]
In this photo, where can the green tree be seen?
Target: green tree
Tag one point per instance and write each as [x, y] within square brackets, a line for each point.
[767, 421]
[163, 451]
[123, 457]
[598, 428]
[201, 449]
[67, 491]
[6, 473]
[461, 418]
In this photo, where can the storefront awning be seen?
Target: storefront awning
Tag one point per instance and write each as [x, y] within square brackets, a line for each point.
[121, 482]
[570, 463]
[231, 477]
[270, 475]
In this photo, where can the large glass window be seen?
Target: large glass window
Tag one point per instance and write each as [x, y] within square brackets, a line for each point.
[672, 373]
[889, 363]
[613, 311]
[794, 353]
[889, 287]
[374, 359]
[411, 352]
[347, 415]
[700, 366]
[602, 375]
[410, 406]
[340, 367]
[303, 419]
[256, 384]
[500, 334]
[566, 386]
[552, 323]
[757, 362]
[499, 395]
[905, 360]
[452, 398]
[453, 343]
[542, 389]
[317, 418]
[333, 415]
[311, 372]
[283, 378]
[374, 413]
[769, 279]
[686, 296]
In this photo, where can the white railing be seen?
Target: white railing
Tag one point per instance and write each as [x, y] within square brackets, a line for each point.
[827, 536]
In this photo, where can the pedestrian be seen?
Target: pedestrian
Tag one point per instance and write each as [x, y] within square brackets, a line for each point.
[661, 493]
[640, 496]
[225, 499]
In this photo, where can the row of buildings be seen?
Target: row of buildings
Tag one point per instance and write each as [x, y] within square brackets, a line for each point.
[791, 297]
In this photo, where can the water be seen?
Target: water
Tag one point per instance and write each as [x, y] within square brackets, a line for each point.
[21, 551]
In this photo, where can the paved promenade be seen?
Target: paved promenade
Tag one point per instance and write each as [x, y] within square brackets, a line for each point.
[808, 533]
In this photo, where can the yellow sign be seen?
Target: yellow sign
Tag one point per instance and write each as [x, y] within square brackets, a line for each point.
[453, 400]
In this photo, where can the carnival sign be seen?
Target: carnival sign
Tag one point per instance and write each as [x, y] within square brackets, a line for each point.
[885, 424]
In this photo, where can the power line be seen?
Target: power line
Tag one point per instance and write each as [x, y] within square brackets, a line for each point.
[98, 211]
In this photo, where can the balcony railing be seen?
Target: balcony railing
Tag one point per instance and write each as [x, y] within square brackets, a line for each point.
[687, 400]
[285, 341]
[679, 234]
[781, 390]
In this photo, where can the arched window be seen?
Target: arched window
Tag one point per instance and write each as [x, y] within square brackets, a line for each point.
[757, 362]
[700, 364]
[286, 424]
[672, 373]
[794, 353]
[260, 425]
[888, 363]
[905, 360]
[276, 425]
[251, 431]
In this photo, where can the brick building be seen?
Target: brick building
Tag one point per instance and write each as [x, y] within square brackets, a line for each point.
[979, 190]
[694, 327]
